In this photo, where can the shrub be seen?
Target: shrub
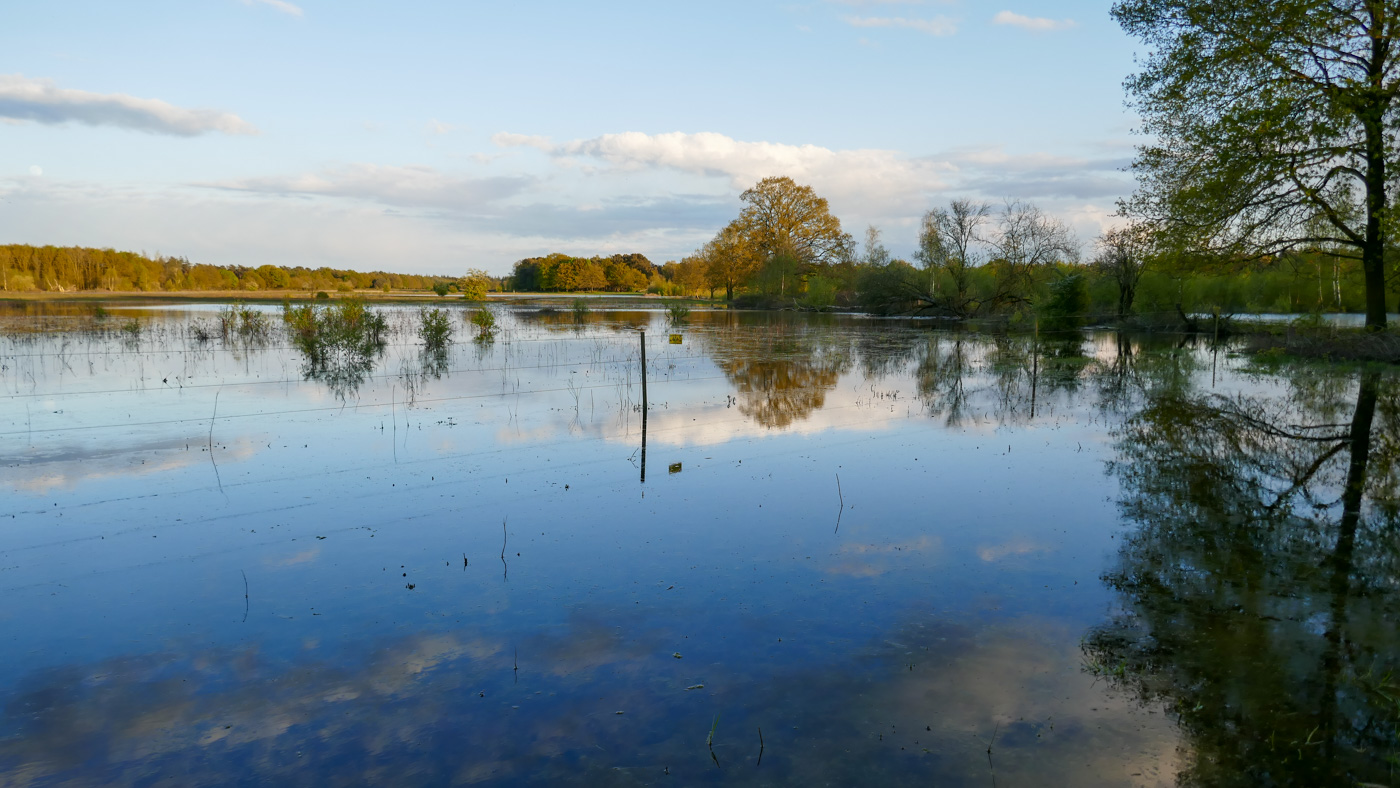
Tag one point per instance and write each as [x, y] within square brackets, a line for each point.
[434, 328]
[485, 320]
[821, 292]
[677, 312]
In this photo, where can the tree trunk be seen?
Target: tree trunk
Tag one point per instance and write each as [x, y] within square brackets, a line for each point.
[1373, 253]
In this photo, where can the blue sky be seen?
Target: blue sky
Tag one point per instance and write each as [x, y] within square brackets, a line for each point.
[431, 137]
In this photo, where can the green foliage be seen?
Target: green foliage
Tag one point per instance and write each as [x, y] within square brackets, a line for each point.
[485, 321]
[239, 321]
[895, 288]
[1270, 127]
[475, 284]
[677, 312]
[442, 288]
[322, 294]
[345, 331]
[1068, 302]
[434, 328]
[821, 292]
[580, 310]
[778, 276]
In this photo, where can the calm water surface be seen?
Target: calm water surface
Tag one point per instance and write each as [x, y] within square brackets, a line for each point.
[848, 552]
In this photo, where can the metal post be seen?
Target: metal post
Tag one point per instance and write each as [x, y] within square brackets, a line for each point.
[643, 334]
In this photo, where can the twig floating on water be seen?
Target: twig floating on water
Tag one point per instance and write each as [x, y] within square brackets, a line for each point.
[505, 568]
[710, 742]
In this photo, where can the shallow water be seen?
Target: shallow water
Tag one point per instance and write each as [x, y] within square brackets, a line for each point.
[848, 551]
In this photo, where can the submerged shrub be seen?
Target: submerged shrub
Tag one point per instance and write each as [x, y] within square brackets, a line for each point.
[202, 330]
[677, 312]
[344, 328]
[581, 310]
[485, 321]
[434, 328]
[238, 321]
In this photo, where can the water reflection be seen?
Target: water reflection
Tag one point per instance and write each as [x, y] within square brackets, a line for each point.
[590, 703]
[782, 374]
[1260, 583]
[943, 619]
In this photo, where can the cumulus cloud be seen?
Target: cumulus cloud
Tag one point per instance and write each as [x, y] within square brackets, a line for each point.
[936, 26]
[280, 5]
[1038, 24]
[40, 101]
[873, 174]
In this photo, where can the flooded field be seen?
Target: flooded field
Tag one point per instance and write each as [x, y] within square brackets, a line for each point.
[828, 550]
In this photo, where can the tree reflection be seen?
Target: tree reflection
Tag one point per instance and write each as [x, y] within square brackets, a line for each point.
[339, 344]
[1261, 585]
[783, 374]
[1003, 378]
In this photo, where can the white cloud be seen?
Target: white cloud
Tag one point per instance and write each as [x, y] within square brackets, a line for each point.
[937, 26]
[883, 176]
[40, 101]
[36, 170]
[1038, 24]
[404, 186]
[280, 5]
[507, 140]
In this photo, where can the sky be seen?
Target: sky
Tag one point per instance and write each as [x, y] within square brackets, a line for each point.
[433, 137]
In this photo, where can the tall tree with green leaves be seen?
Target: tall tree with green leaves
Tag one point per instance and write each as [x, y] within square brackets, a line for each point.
[1263, 115]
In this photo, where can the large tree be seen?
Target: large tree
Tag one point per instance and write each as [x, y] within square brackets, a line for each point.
[1263, 116]
[783, 218]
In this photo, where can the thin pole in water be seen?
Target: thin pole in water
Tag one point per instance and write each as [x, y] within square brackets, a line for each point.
[1035, 362]
[643, 333]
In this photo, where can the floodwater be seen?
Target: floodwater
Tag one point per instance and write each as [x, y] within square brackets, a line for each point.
[843, 551]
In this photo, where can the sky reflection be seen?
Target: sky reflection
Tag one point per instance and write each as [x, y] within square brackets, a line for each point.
[883, 547]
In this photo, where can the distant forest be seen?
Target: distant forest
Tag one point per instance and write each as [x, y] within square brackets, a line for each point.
[25, 268]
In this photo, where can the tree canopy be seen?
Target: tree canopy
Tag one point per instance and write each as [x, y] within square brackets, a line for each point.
[783, 218]
[565, 273]
[1272, 125]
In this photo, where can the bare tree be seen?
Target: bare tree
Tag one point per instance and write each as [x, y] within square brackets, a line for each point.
[1122, 255]
[951, 242]
[1026, 239]
[875, 252]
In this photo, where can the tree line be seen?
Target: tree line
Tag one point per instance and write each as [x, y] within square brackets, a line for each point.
[60, 269]
[562, 273]
[976, 259]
